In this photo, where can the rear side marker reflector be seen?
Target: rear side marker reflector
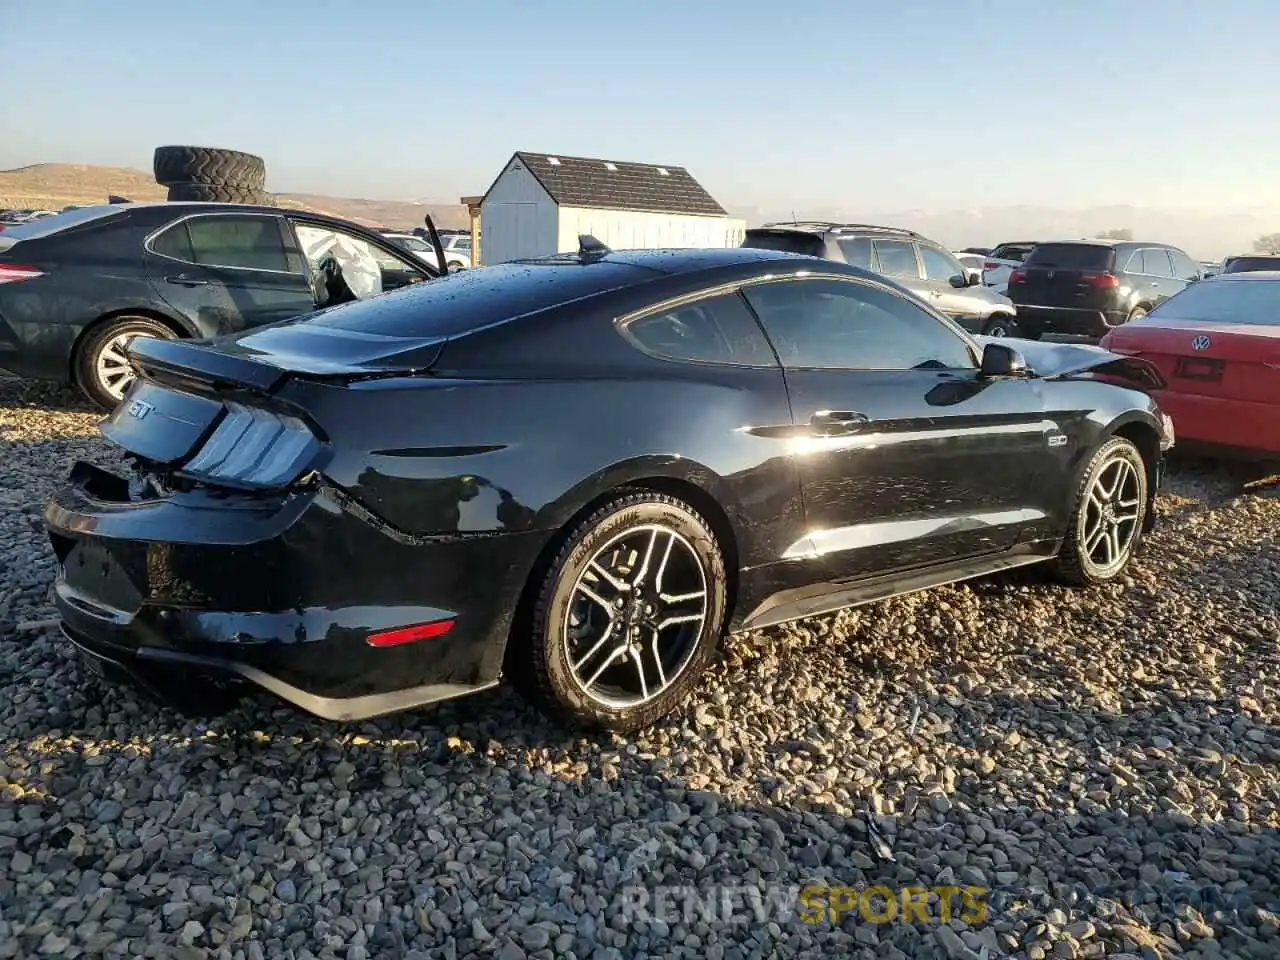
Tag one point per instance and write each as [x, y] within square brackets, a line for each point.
[422, 631]
[12, 273]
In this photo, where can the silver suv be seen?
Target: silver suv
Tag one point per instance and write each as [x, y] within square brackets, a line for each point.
[925, 268]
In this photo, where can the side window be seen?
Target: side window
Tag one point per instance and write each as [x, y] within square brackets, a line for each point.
[1184, 268]
[247, 241]
[857, 251]
[939, 265]
[897, 258]
[846, 325]
[347, 264]
[173, 242]
[718, 329]
[1157, 263]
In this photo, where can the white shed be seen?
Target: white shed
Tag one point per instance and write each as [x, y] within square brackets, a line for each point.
[540, 203]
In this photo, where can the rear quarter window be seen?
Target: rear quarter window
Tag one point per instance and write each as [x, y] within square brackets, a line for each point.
[717, 329]
[1072, 256]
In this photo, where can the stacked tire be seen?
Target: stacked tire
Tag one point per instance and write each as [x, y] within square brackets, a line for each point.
[211, 174]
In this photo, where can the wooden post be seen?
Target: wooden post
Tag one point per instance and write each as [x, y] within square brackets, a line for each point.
[473, 211]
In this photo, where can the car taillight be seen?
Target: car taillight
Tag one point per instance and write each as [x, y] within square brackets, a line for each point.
[421, 631]
[989, 265]
[254, 448]
[1018, 276]
[12, 273]
[1103, 281]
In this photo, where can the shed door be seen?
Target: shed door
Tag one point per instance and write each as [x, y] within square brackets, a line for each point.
[511, 233]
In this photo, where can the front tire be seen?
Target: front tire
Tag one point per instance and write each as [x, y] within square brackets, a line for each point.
[1106, 522]
[1137, 313]
[101, 369]
[629, 614]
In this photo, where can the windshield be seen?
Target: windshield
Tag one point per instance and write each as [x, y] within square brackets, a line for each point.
[59, 221]
[1071, 256]
[1224, 301]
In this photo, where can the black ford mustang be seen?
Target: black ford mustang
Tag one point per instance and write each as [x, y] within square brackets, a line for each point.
[577, 473]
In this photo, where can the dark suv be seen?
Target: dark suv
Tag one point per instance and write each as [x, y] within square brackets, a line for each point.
[915, 262]
[1086, 287]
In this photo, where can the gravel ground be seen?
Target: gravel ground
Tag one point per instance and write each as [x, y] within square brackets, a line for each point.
[1103, 762]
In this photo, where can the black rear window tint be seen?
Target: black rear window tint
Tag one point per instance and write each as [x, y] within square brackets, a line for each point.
[716, 329]
[786, 241]
[461, 302]
[1071, 256]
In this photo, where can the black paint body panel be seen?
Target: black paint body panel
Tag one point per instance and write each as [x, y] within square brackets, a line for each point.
[441, 489]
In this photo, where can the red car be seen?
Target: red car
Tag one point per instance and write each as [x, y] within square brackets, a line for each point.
[1217, 344]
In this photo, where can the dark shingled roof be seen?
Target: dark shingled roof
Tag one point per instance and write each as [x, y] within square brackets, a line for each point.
[618, 185]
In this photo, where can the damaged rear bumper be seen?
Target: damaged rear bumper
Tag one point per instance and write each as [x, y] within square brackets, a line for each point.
[283, 593]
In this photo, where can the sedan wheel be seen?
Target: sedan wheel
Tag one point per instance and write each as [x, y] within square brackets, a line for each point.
[102, 364]
[629, 614]
[1110, 509]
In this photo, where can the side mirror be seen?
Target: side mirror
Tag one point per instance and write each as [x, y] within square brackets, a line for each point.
[960, 280]
[999, 360]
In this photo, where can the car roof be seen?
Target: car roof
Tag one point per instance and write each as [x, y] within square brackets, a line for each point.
[1104, 242]
[831, 226]
[674, 261]
[1246, 276]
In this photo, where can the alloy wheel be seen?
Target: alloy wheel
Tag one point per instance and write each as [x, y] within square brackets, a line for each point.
[1111, 514]
[112, 364]
[635, 616]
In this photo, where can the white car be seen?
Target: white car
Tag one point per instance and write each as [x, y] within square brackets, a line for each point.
[457, 249]
[1002, 261]
[972, 262]
[458, 258]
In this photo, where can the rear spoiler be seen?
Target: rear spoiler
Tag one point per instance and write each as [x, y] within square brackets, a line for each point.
[182, 360]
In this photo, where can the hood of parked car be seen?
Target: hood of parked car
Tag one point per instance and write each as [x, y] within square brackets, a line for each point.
[1057, 361]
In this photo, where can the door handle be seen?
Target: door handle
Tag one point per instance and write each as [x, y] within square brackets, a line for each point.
[834, 423]
[187, 281]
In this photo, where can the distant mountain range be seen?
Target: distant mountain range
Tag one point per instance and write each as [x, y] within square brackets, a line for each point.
[1206, 235]
[53, 186]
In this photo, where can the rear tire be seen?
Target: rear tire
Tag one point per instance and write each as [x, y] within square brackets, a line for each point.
[599, 654]
[1108, 516]
[1001, 325]
[101, 368]
[184, 164]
